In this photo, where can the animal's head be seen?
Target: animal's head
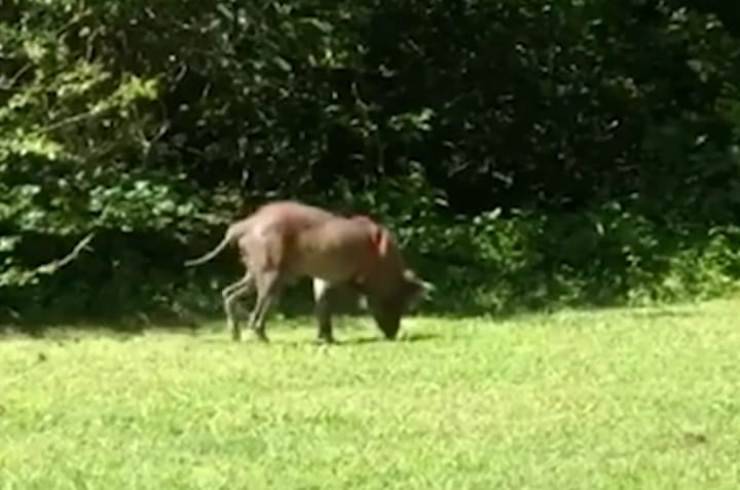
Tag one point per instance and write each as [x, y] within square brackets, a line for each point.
[388, 309]
[395, 288]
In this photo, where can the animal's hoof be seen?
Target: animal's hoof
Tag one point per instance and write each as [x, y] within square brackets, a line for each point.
[261, 337]
[236, 333]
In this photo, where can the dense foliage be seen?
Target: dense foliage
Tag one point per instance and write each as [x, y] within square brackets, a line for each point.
[526, 151]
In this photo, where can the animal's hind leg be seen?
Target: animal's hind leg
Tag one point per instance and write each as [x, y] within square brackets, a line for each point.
[232, 294]
[225, 292]
[268, 290]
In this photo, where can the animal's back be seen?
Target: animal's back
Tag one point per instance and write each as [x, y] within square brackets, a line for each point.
[288, 217]
[334, 250]
[272, 230]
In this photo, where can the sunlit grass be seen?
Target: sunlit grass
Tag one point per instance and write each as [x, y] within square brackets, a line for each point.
[608, 399]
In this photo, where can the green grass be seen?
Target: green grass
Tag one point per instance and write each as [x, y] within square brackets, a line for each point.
[646, 398]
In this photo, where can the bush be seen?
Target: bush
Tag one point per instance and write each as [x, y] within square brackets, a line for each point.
[530, 153]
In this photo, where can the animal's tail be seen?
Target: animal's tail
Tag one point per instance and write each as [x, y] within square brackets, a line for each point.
[228, 238]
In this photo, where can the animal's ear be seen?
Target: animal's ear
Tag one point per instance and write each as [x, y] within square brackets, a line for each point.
[418, 288]
[411, 277]
[380, 240]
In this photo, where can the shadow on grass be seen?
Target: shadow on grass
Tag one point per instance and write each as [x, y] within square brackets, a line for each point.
[408, 338]
[297, 312]
[70, 329]
[343, 338]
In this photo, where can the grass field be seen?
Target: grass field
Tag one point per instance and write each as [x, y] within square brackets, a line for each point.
[644, 398]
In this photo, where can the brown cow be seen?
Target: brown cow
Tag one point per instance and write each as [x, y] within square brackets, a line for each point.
[283, 241]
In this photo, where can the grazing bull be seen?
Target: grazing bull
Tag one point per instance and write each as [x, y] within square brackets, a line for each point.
[284, 240]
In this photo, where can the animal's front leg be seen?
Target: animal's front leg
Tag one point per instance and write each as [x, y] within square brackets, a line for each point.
[322, 295]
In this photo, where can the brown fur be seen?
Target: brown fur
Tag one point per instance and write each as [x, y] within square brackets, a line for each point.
[285, 240]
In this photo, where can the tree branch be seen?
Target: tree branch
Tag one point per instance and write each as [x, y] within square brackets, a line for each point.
[54, 266]
[70, 120]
